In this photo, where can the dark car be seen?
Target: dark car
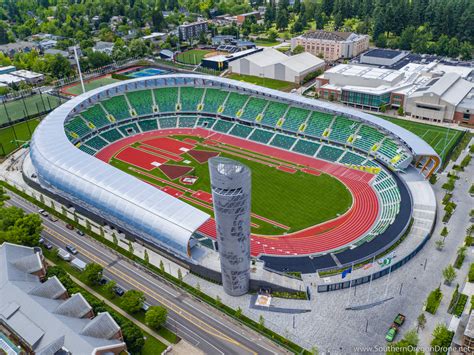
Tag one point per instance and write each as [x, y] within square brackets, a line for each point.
[103, 281]
[69, 226]
[81, 233]
[118, 291]
[48, 245]
[71, 249]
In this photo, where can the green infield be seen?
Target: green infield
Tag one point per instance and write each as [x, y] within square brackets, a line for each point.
[192, 56]
[12, 137]
[269, 83]
[92, 84]
[442, 139]
[28, 106]
[297, 200]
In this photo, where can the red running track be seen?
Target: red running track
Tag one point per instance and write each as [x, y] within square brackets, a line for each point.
[323, 237]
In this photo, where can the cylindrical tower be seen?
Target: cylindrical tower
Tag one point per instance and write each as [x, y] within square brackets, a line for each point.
[230, 185]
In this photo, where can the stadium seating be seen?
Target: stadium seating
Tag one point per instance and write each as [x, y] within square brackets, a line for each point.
[187, 121]
[86, 149]
[222, 126]
[118, 107]
[190, 98]
[330, 153]
[97, 142]
[294, 118]
[352, 158]
[78, 126]
[389, 148]
[317, 124]
[141, 101]
[253, 108]
[241, 130]
[213, 99]
[166, 99]
[96, 115]
[261, 136]
[369, 136]
[235, 102]
[206, 122]
[168, 122]
[342, 128]
[282, 141]
[306, 147]
[111, 135]
[129, 129]
[273, 112]
[148, 125]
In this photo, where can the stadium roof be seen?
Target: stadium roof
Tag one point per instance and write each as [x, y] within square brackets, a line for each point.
[382, 53]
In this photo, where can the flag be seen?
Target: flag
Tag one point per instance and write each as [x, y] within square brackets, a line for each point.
[367, 266]
[346, 271]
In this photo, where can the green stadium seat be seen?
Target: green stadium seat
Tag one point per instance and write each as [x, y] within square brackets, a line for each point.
[389, 148]
[342, 128]
[187, 121]
[141, 101]
[206, 122]
[254, 107]
[87, 150]
[273, 113]
[148, 125]
[190, 98]
[294, 119]
[330, 153]
[282, 141]
[241, 131]
[213, 99]
[168, 122]
[129, 129]
[369, 136]
[261, 136]
[96, 115]
[352, 158]
[118, 107]
[222, 126]
[78, 126]
[306, 147]
[166, 99]
[318, 123]
[235, 103]
[97, 142]
[111, 135]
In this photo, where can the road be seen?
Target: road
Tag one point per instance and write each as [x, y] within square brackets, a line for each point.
[198, 323]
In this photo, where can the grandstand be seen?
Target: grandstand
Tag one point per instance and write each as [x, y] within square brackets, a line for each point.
[293, 134]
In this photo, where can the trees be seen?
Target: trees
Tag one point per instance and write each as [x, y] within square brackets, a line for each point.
[132, 301]
[298, 49]
[439, 244]
[18, 227]
[93, 273]
[146, 258]
[449, 274]
[441, 336]
[405, 346]
[421, 321]
[109, 288]
[155, 316]
[444, 232]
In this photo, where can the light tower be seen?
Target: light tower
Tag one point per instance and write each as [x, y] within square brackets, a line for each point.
[231, 186]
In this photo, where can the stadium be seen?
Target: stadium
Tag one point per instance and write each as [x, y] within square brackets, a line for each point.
[327, 180]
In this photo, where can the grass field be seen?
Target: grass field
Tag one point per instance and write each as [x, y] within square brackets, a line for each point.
[21, 131]
[192, 56]
[269, 83]
[92, 84]
[31, 105]
[297, 200]
[263, 43]
[442, 139]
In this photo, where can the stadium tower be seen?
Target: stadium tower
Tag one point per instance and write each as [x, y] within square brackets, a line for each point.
[230, 185]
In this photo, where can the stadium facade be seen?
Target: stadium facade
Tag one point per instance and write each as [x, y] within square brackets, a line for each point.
[156, 217]
[231, 192]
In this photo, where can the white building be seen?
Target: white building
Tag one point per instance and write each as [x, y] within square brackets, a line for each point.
[273, 64]
[29, 76]
[10, 79]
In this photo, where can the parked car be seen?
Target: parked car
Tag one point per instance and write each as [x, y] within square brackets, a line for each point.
[103, 281]
[391, 333]
[63, 254]
[43, 213]
[69, 226]
[81, 233]
[71, 249]
[399, 320]
[41, 240]
[118, 291]
[52, 218]
[48, 245]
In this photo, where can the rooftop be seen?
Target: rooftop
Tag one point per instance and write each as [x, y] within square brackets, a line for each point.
[382, 53]
[330, 36]
[364, 72]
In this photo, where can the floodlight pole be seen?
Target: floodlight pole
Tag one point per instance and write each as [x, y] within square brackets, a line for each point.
[79, 69]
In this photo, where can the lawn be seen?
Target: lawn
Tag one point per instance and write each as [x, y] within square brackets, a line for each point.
[92, 84]
[21, 131]
[269, 83]
[442, 139]
[297, 200]
[263, 43]
[192, 56]
[31, 105]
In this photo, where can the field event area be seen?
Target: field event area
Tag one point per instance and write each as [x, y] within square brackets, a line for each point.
[285, 198]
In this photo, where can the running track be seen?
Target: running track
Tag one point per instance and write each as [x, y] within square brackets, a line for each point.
[330, 235]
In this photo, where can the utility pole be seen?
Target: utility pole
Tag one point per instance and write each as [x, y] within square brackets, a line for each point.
[79, 69]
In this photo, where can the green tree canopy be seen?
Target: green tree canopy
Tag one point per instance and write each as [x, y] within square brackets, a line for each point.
[132, 301]
[155, 316]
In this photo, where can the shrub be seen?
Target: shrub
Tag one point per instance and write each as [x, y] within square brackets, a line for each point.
[449, 274]
[442, 338]
[465, 162]
[468, 240]
[460, 305]
[470, 275]
[433, 300]
[447, 198]
[449, 185]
